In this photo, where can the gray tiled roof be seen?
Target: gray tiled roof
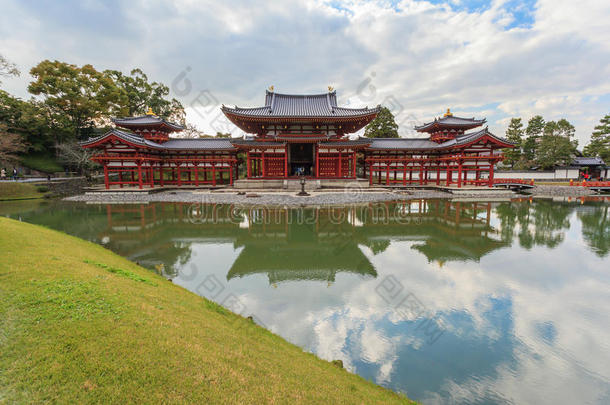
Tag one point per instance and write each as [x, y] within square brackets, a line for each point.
[172, 144]
[426, 143]
[127, 136]
[451, 121]
[402, 143]
[354, 142]
[145, 120]
[588, 161]
[199, 144]
[254, 142]
[232, 143]
[469, 137]
[292, 105]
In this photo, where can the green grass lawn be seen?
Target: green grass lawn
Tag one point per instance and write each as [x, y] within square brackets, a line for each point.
[10, 190]
[79, 323]
[42, 163]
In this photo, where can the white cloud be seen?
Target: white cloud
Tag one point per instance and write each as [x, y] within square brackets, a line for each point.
[425, 57]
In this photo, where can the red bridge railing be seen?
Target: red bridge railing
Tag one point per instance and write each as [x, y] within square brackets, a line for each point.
[590, 183]
[485, 182]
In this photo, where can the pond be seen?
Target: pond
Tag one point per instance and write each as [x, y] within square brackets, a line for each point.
[447, 301]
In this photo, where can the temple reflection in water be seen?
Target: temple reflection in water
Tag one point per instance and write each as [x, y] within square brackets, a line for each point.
[301, 243]
[318, 243]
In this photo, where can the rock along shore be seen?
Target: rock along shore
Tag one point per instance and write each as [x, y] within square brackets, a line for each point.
[349, 196]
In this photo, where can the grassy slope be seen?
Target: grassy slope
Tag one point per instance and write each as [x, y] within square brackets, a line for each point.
[79, 323]
[10, 190]
[40, 162]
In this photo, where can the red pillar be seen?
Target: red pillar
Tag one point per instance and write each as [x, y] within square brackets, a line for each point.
[317, 161]
[426, 175]
[421, 173]
[214, 174]
[459, 179]
[140, 174]
[248, 164]
[370, 173]
[161, 175]
[491, 173]
[106, 179]
[179, 177]
[197, 174]
[438, 173]
[286, 162]
[354, 160]
[340, 171]
[231, 176]
[263, 168]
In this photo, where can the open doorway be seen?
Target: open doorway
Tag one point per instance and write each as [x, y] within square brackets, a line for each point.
[301, 159]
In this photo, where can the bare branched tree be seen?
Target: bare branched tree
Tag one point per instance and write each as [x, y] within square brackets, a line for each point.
[191, 131]
[75, 156]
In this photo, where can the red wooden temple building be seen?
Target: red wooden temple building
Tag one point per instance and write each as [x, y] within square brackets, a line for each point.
[448, 156]
[297, 135]
[300, 135]
[148, 157]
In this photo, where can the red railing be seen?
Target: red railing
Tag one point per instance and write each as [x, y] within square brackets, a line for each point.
[590, 183]
[484, 182]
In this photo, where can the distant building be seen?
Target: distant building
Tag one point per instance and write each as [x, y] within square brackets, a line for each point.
[594, 166]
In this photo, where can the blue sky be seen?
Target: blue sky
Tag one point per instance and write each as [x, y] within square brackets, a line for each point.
[496, 59]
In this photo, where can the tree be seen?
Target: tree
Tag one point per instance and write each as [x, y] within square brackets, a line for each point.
[514, 133]
[556, 146]
[8, 68]
[599, 146]
[383, 126]
[534, 130]
[76, 156]
[28, 119]
[138, 95]
[11, 145]
[74, 96]
[191, 131]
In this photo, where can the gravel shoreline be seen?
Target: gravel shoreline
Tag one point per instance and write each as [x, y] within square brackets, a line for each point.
[350, 196]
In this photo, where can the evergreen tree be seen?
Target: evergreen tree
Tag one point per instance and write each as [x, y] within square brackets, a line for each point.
[557, 146]
[138, 95]
[514, 133]
[599, 146]
[534, 130]
[383, 126]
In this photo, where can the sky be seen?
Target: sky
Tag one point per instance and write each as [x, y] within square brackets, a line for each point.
[494, 59]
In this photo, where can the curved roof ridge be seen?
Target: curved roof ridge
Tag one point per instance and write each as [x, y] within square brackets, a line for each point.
[451, 120]
[145, 120]
[334, 92]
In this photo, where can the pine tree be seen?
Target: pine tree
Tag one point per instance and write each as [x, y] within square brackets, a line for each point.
[534, 130]
[514, 133]
[556, 146]
[383, 126]
[599, 146]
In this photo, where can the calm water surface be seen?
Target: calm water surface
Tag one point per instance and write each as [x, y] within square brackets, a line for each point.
[449, 302]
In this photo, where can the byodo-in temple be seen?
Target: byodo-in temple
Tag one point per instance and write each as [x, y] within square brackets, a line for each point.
[293, 136]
